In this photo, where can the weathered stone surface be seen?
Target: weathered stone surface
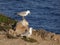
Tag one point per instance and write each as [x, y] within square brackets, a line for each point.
[21, 26]
[11, 33]
[56, 37]
[43, 34]
[55, 40]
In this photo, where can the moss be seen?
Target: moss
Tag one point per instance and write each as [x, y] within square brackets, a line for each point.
[6, 19]
[7, 22]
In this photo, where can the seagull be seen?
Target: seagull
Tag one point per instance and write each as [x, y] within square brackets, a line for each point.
[24, 13]
[27, 33]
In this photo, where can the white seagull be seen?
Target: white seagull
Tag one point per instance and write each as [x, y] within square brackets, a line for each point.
[27, 33]
[24, 13]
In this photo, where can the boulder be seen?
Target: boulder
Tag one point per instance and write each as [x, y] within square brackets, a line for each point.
[21, 26]
[11, 33]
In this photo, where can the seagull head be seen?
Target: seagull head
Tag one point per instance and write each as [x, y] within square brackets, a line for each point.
[28, 11]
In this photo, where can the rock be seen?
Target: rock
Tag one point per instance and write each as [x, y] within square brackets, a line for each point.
[21, 26]
[38, 35]
[11, 33]
[43, 34]
[2, 32]
[2, 24]
[49, 36]
[56, 37]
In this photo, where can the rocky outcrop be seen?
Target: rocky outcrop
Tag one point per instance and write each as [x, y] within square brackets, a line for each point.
[21, 26]
[38, 37]
[44, 34]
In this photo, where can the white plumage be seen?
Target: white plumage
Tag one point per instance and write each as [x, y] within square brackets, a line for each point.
[24, 13]
[27, 33]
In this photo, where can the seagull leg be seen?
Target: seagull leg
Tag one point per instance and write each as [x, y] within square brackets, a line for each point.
[23, 18]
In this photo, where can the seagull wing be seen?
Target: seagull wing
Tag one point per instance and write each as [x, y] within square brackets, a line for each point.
[22, 13]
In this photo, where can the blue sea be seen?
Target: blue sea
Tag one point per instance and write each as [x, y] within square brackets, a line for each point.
[45, 14]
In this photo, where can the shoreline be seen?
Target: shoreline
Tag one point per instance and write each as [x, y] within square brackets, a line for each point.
[39, 36]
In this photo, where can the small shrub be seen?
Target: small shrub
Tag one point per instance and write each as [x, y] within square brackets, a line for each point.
[29, 39]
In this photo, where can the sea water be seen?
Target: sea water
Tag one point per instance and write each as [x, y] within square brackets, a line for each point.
[44, 13]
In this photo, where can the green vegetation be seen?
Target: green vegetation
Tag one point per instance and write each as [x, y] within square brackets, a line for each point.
[6, 22]
[6, 19]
